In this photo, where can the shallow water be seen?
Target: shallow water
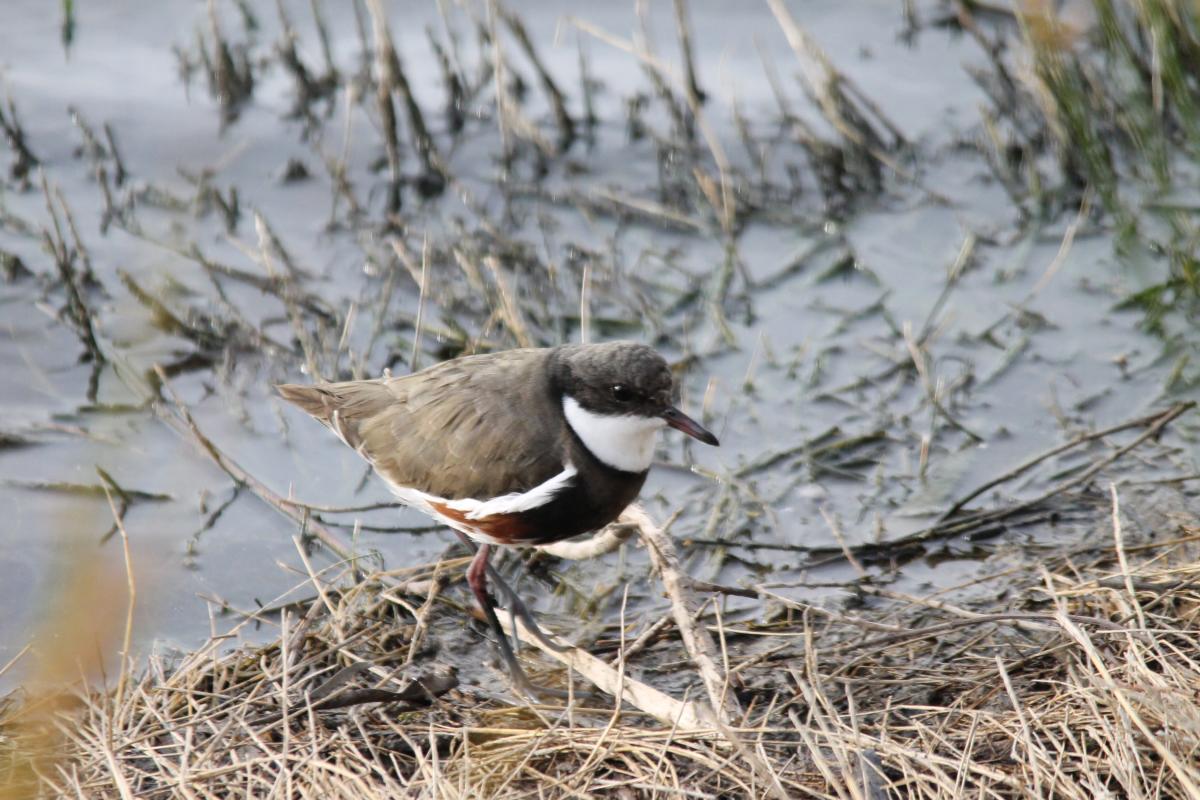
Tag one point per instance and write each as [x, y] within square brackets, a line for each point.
[1027, 345]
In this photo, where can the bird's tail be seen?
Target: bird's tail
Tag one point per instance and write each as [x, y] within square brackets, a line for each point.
[313, 400]
[342, 407]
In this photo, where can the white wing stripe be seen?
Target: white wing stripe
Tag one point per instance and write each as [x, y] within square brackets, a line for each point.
[517, 501]
[479, 509]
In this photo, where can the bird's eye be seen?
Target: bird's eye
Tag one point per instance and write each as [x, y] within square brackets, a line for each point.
[622, 394]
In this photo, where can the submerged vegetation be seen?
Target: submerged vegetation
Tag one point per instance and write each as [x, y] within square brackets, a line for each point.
[819, 636]
[1113, 98]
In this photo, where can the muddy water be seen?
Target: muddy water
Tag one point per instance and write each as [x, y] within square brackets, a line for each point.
[1025, 344]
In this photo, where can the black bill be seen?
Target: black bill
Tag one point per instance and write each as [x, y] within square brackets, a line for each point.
[682, 422]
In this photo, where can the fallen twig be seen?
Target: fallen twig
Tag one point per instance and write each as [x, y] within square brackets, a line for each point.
[686, 715]
[699, 646]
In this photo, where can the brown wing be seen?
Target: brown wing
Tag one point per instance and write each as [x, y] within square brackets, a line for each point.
[476, 427]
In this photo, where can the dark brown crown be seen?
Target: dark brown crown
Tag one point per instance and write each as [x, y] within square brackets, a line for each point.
[614, 378]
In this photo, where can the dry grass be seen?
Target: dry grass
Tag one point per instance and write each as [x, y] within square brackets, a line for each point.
[1068, 680]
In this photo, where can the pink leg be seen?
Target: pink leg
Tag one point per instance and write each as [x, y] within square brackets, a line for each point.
[477, 576]
[477, 580]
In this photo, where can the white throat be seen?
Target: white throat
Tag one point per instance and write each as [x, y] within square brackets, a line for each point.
[622, 442]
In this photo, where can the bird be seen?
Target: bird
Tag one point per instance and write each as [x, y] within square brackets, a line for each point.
[516, 448]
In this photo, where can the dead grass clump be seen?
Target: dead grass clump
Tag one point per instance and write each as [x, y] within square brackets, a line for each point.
[1067, 680]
